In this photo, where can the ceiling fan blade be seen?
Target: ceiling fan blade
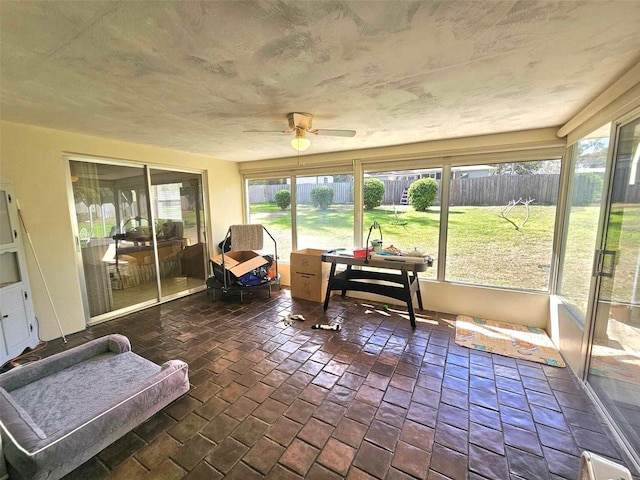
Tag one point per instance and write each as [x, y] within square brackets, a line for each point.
[267, 131]
[333, 133]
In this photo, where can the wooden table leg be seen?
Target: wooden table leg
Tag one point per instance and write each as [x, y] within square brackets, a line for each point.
[344, 292]
[407, 286]
[332, 272]
[417, 280]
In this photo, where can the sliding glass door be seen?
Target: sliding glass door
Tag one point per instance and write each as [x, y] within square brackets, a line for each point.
[614, 364]
[582, 216]
[179, 219]
[141, 235]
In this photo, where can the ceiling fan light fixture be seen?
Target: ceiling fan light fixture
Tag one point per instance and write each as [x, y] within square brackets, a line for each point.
[300, 143]
[300, 124]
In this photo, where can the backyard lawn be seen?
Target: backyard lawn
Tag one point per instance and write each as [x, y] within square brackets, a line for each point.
[481, 247]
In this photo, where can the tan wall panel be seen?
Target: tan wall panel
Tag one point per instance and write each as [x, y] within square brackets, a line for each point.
[33, 158]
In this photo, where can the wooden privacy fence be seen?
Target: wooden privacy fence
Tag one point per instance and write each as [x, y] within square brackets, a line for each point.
[393, 190]
[342, 192]
[493, 190]
[501, 189]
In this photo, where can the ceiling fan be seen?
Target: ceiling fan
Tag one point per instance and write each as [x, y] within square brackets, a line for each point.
[300, 124]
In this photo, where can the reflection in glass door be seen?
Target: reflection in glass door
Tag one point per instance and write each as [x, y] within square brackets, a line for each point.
[112, 218]
[586, 187]
[137, 248]
[178, 213]
[614, 368]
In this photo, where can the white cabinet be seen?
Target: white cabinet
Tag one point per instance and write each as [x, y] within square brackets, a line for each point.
[18, 325]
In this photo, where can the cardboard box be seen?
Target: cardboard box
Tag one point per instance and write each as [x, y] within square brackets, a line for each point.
[237, 264]
[309, 275]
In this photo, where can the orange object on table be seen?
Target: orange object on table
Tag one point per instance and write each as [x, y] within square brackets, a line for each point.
[360, 253]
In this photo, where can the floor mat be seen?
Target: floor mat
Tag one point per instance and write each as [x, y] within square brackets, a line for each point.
[515, 341]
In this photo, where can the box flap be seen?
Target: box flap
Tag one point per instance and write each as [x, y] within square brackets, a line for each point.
[229, 262]
[248, 265]
[241, 261]
[309, 251]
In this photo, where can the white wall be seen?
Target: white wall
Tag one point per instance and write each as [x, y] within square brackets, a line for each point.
[521, 308]
[32, 158]
[566, 334]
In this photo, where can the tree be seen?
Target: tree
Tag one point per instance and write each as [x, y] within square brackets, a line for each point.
[373, 193]
[347, 178]
[93, 195]
[592, 152]
[283, 199]
[322, 197]
[518, 168]
[587, 189]
[270, 181]
[422, 193]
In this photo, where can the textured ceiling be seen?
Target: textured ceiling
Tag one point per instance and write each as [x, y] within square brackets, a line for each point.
[192, 75]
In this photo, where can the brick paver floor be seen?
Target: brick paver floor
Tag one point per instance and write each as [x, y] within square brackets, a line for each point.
[374, 400]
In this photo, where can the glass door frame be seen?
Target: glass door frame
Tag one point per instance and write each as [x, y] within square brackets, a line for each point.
[603, 225]
[145, 168]
[596, 283]
[150, 170]
[594, 286]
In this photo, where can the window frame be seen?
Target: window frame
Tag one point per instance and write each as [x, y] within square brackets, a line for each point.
[445, 160]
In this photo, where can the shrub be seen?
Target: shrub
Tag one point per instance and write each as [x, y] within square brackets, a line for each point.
[587, 189]
[322, 197]
[373, 193]
[283, 199]
[422, 193]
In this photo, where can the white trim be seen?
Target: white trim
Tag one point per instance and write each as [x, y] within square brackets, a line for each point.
[615, 97]
[452, 147]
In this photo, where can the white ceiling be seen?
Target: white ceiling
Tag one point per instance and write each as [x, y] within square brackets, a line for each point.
[192, 75]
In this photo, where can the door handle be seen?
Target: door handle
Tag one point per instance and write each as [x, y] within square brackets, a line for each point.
[601, 267]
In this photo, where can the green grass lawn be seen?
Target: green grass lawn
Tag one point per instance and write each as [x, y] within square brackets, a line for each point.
[482, 247]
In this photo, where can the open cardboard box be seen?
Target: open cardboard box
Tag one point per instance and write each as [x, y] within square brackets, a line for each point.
[239, 262]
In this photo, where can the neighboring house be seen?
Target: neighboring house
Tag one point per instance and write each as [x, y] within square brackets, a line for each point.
[473, 171]
[467, 171]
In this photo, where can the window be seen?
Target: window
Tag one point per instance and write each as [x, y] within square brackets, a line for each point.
[272, 209]
[324, 207]
[588, 163]
[401, 225]
[498, 225]
[501, 224]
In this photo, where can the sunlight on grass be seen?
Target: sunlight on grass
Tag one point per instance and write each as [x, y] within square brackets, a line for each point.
[482, 248]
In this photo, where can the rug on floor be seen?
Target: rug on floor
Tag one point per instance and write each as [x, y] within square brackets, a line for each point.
[515, 341]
